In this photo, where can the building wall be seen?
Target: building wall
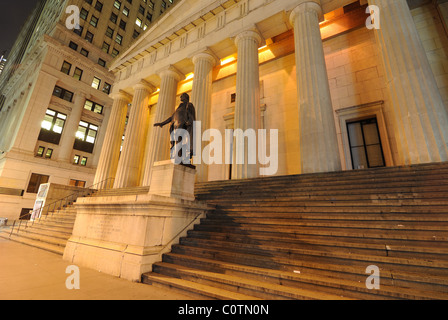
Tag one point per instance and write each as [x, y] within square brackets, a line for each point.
[356, 77]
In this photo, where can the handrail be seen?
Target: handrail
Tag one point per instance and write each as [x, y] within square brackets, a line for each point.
[103, 185]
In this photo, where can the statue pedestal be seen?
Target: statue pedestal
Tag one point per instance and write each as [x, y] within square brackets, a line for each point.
[123, 234]
[172, 180]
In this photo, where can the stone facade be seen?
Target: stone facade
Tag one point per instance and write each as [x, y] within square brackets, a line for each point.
[49, 56]
[270, 68]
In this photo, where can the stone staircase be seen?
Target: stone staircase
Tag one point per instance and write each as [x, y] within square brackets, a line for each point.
[52, 232]
[313, 236]
[49, 233]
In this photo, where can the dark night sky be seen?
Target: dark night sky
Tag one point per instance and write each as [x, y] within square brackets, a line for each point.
[13, 14]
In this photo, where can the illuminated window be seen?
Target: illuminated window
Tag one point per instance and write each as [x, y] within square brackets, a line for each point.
[40, 152]
[49, 153]
[52, 126]
[126, 11]
[93, 106]
[96, 83]
[85, 137]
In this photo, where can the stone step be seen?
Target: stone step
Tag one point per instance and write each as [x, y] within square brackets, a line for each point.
[308, 208]
[336, 286]
[278, 250]
[387, 247]
[365, 224]
[259, 289]
[406, 171]
[347, 181]
[401, 275]
[366, 216]
[196, 290]
[273, 237]
[332, 196]
[58, 249]
[50, 232]
[297, 232]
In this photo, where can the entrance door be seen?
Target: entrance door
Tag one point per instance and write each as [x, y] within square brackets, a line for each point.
[365, 144]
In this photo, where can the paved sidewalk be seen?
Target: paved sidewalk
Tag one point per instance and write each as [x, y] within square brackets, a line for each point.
[28, 273]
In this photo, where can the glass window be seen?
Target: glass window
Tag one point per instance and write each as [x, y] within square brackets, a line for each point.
[107, 87]
[35, 181]
[49, 153]
[78, 74]
[93, 106]
[76, 159]
[40, 152]
[117, 4]
[66, 67]
[85, 137]
[96, 83]
[94, 21]
[63, 94]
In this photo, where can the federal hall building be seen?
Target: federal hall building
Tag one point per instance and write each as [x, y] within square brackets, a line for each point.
[356, 94]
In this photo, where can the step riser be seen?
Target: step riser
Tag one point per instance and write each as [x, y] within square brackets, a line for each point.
[296, 233]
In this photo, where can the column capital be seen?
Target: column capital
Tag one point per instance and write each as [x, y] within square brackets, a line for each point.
[249, 34]
[121, 95]
[171, 71]
[205, 55]
[304, 6]
[144, 85]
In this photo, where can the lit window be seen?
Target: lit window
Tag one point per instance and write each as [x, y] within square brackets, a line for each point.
[139, 22]
[85, 137]
[49, 153]
[40, 152]
[93, 106]
[96, 83]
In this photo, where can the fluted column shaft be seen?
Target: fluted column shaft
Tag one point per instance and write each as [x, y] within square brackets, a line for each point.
[247, 104]
[318, 140]
[110, 152]
[202, 100]
[159, 146]
[71, 127]
[130, 166]
[420, 117]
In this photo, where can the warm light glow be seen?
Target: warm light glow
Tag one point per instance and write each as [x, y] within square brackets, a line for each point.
[263, 47]
[189, 76]
[228, 60]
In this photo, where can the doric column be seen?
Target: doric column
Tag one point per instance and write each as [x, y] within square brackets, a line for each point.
[318, 141]
[130, 166]
[101, 136]
[159, 146]
[71, 127]
[420, 117]
[247, 104]
[202, 100]
[110, 152]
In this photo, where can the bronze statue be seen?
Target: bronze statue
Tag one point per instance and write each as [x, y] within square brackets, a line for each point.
[181, 122]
